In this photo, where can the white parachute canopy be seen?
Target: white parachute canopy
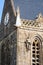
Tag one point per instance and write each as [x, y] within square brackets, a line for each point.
[18, 20]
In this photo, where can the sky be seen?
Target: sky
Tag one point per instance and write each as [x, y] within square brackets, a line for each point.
[29, 9]
[1, 8]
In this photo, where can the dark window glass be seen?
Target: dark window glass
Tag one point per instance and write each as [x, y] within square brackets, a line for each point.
[37, 52]
[37, 56]
[37, 44]
[33, 44]
[37, 48]
[33, 64]
[37, 60]
[33, 47]
[33, 51]
[33, 55]
[33, 60]
[37, 64]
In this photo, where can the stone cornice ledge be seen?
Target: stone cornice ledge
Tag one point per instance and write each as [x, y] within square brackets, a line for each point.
[33, 28]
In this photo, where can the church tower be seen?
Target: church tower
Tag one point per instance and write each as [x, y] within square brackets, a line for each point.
[22, 39]
[8, 46]
[8, 17]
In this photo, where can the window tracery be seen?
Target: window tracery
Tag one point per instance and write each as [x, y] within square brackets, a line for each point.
[36, 51]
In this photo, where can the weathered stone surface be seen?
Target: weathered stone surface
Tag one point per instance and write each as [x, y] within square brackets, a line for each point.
[23, 56]
[21, 45]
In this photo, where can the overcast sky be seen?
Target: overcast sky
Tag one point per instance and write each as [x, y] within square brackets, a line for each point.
[28, 8]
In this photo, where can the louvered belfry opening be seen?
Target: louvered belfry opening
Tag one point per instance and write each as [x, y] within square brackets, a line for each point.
[36, 52]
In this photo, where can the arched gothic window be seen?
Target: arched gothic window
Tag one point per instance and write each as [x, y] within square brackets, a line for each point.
[36, 48]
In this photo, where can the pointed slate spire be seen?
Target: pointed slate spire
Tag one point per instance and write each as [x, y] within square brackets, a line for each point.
[8, 18]
[18, 20]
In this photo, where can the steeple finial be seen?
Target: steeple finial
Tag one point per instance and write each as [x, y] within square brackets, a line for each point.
[18, 20]
[18, 10]
[40, 15]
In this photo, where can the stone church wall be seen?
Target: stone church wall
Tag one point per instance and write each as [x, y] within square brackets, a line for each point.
[23, 53]
[8, 49]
